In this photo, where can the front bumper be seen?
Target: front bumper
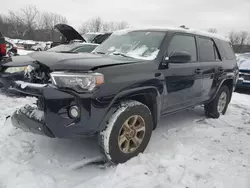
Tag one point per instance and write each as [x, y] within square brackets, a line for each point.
[26, 119]
[55, 105]
[242, 83]
[7, 79]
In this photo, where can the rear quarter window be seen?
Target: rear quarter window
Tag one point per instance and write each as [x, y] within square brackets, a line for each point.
[228, 50]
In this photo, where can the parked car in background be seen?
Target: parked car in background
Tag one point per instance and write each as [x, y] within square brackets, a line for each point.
[97, 38]
[120, 91]
[3, 49]
[27, 44]
[11, 48]
[74, 47]
[69, 34]
[243, 61]
[41, 46]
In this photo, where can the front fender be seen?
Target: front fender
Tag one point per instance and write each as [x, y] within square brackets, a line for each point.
[129, 94]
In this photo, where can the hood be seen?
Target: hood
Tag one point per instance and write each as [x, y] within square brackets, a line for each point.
[18, 61]
[69, 32]
[68, 61]
[244, 64]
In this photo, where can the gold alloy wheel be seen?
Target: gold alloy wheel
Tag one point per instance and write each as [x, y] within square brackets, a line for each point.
[222, 102]
[131, 134]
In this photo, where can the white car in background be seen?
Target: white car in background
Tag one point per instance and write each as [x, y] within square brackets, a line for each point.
[39, 47]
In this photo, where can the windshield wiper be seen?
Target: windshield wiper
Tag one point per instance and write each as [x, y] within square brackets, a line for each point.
[121, 54]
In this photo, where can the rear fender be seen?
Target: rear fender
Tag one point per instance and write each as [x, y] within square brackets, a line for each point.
[220, 85]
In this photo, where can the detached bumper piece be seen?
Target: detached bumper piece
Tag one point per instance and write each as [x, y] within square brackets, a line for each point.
[30, 119]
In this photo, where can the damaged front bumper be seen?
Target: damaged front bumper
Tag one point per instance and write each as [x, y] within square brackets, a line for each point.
[53, 106]
[30, 119]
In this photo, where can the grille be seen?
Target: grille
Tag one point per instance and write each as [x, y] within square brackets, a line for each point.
[246, 77]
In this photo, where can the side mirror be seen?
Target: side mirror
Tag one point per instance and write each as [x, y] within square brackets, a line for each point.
[179, 57]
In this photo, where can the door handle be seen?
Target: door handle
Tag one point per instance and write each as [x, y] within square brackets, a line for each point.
[198, 71]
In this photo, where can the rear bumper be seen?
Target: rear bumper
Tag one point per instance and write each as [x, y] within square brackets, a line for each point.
[55, 105]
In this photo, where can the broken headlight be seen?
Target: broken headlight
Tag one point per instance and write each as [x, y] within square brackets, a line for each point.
[77, 81]
[14, 69]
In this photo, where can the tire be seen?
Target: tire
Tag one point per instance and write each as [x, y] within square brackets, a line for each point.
[39, 49]
[128, 111]
[211, 109]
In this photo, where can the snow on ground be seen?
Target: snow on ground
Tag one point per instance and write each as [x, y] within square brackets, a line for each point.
[186, 150]
[24, 52]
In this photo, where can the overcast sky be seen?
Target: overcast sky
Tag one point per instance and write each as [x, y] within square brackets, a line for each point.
[225, 15]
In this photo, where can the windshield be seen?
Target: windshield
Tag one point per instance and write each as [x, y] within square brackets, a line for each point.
[135, 44]
[89, 36]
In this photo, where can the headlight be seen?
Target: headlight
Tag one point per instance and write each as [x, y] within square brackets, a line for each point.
[15, 69]
[77, 81]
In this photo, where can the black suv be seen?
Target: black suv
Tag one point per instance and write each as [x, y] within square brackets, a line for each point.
[120, 91]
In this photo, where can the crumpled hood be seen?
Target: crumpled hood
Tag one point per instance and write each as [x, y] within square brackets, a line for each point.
[69, 61]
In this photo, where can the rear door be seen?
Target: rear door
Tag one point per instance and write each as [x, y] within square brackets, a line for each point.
[211, 65]
[183, 81]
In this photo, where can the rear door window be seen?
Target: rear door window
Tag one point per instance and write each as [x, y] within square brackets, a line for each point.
[207, 50]
[183, 43]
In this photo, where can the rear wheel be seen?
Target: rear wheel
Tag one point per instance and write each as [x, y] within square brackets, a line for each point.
[219, 105]
[128, 132]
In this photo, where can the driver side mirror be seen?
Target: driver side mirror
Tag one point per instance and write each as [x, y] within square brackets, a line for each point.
[178, 57]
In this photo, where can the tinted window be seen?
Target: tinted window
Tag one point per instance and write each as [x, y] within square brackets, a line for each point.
[182, 43]
[229, 53]
[86, 48]
[207, 49]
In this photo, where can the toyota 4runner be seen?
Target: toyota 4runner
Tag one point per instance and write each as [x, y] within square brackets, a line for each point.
[121, 90]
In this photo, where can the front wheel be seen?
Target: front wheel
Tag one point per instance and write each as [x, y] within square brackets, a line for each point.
[127, 133]
[219, 105]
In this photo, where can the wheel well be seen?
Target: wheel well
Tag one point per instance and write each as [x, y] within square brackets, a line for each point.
[229, 84]
[150, 101]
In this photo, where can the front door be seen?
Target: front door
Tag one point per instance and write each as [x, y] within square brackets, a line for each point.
[183, 80]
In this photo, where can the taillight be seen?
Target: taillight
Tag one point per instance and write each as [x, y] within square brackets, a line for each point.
[3, 49]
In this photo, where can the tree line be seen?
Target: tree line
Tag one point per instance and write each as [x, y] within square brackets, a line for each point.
[240, 40]
[31, 24]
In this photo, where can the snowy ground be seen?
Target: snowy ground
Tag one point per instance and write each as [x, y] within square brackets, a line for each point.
[187, 150]
[24, 52]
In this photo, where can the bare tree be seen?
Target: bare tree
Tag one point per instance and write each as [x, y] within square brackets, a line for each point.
[98, 25]
[48, 20]
[112, 26]
[212, 30]
[238, 40]
[234, 38]
[93, 25]
[29, 15]
[17, 24]
[243, 39]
